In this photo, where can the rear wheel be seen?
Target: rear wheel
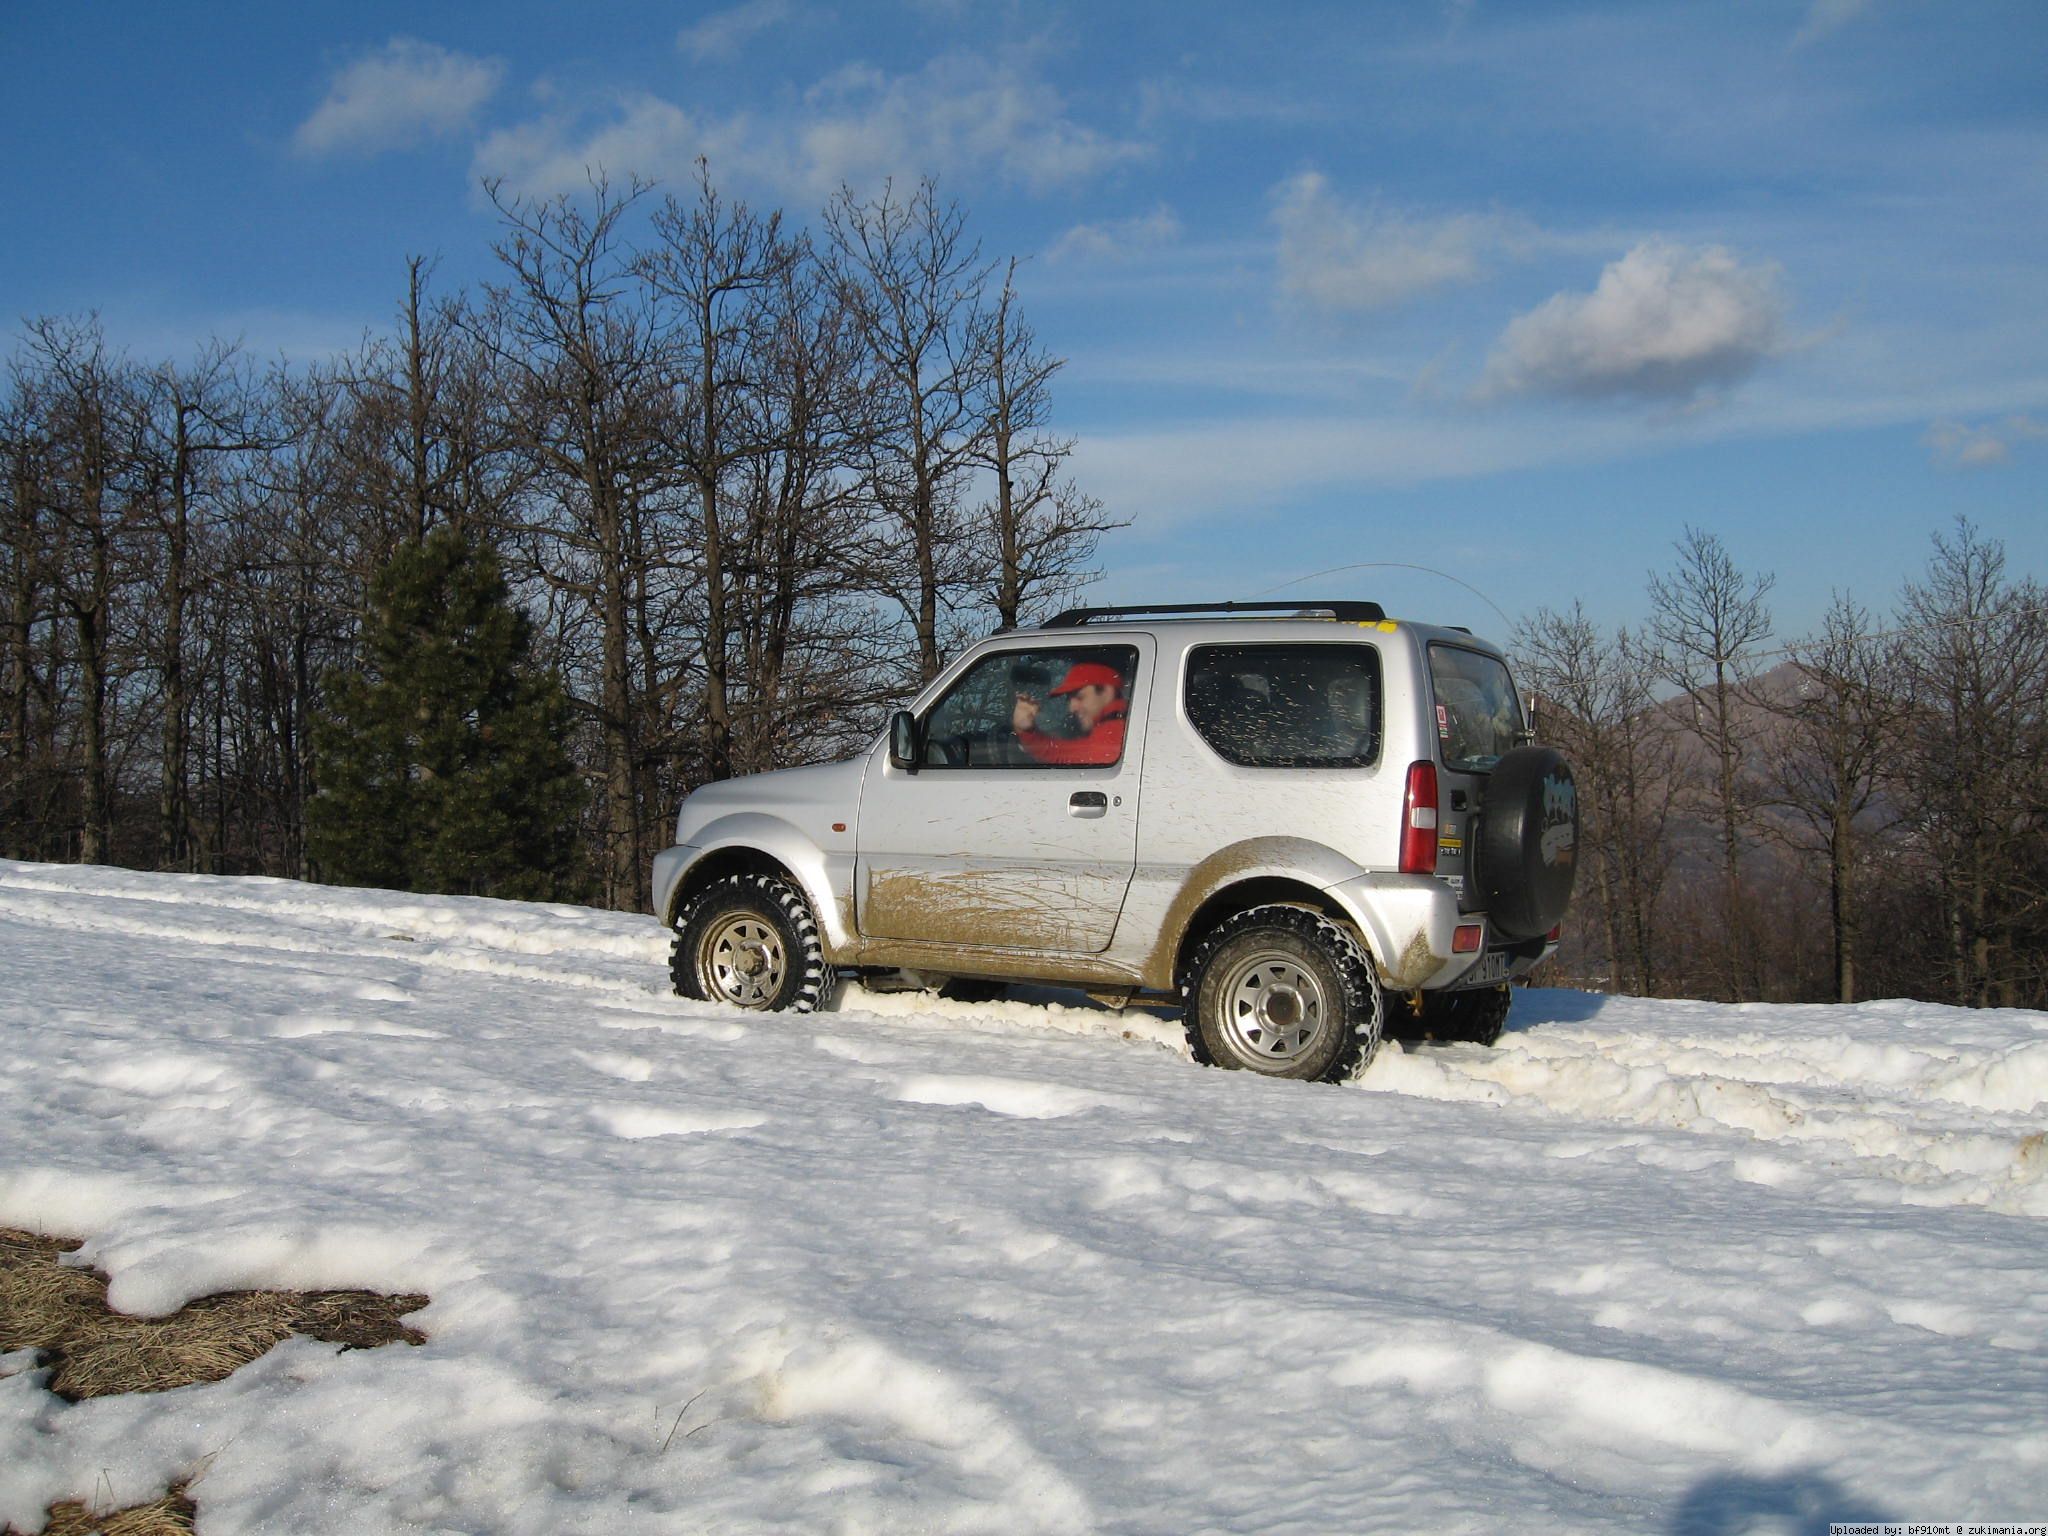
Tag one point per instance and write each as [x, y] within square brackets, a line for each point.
[750, 941]
[1282, 991]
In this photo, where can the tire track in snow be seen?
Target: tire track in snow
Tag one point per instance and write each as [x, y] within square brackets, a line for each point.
[1945, 1123]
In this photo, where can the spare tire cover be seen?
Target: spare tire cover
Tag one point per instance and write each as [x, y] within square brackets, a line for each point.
[1528, 841]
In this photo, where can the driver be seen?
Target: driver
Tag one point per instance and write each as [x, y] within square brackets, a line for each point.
[1096, 705]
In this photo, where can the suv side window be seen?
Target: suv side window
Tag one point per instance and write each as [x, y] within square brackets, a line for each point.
[1287, 706]
[1478, 715]
[1062, 707]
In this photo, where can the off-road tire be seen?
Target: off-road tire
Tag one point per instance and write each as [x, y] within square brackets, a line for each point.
[1475, 1017]
[1323, 958]
[805, 981]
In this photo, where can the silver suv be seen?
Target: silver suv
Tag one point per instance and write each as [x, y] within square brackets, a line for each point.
[1303, 824]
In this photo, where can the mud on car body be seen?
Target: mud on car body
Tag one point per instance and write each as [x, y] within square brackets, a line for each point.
[1295, 821]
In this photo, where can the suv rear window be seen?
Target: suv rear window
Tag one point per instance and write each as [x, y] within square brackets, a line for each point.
[1287, 706]
[1478, 715]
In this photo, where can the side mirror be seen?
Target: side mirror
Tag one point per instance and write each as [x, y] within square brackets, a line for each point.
[903, 751]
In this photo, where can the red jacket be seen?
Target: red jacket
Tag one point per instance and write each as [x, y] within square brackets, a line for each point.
[1102, 746]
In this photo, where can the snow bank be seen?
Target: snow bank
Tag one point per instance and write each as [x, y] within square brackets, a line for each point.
[1011, 1268]
[1897, 1102]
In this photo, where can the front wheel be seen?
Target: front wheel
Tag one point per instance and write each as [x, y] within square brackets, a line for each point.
[750, 941]
[1282, 991]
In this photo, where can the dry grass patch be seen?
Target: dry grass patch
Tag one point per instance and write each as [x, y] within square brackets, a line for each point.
[171, 1515]
[95, 1351]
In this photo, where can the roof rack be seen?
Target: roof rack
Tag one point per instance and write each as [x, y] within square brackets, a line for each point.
[1348, 611]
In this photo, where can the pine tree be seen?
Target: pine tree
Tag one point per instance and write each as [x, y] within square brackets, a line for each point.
[443, 763]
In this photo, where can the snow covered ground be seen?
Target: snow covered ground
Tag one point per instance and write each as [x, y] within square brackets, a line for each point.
[1005, 1269]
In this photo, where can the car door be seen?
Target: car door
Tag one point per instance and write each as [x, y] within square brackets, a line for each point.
[1007, 840]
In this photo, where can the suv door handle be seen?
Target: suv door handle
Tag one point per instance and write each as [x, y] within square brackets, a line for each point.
[1087, 802]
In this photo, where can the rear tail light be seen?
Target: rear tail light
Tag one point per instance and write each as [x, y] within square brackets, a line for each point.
[1467, 937]
[1554, 935]
[1418, 821]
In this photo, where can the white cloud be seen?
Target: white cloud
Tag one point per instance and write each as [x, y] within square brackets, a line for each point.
[1987, 443]
[1234, 467]
[1340, 257]
[396, 96]
[1171, 100]
[645, 136]
[1824, 16]
[722, 34]
[1117, 239]
[959, 115]
[1665, 322]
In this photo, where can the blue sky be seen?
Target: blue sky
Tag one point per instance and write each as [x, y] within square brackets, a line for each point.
[1513, 291]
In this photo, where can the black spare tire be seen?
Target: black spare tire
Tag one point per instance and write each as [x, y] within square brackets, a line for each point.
[1529, 842]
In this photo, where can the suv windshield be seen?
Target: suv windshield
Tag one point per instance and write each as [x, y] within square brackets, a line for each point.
[1477, 713]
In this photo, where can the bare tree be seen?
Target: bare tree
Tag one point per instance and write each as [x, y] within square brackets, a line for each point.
[721, 266]
[29, 742]
[1828, 759]
[1042, 528]
[196, 416]
[815, 665]
[585, 362]
[93, 400]
[1597, 703]
[914, 285]
[299, 545]
[1708, 617]
[429, 440]
[1975, 652]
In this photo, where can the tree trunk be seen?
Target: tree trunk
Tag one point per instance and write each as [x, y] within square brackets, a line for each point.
[1735, 915]
[622, 802]
[717, 629]
[1840, 852]
[95, 828]
[1610, 922]
[296, 752]
[924, 540]
[20, 659]
[1001, 428]
[1636, 886]
[418, 423]
[1980, 940]
[174, 819]
[92, 614]
[1010, 580]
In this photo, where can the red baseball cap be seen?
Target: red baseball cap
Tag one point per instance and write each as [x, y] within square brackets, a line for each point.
[1082, 673]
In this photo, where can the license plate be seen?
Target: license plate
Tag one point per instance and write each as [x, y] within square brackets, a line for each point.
[1491, 971]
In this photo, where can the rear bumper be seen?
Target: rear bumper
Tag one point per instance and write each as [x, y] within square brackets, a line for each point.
[1409, 921]
[1503, 962]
